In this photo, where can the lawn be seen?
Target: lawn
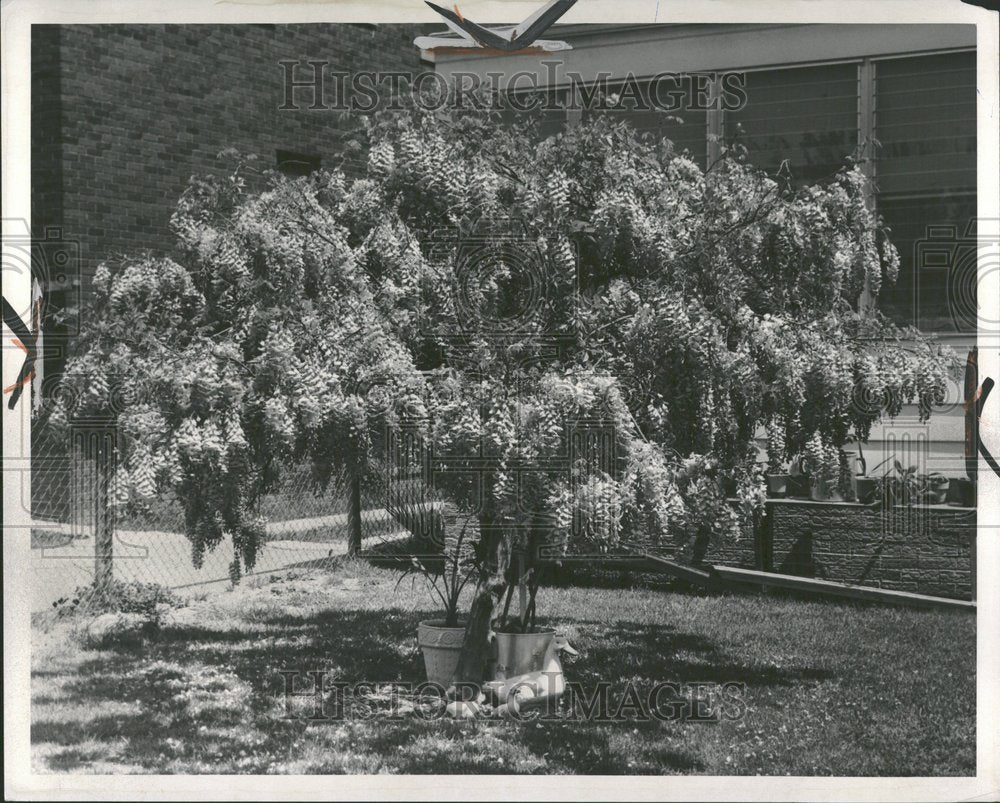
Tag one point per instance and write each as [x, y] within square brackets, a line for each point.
[831, 688]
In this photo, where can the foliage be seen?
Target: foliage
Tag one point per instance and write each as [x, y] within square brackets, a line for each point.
[459, 566]
[502, 295]
[822, 461]
[117, 596]
[905, 486]
[776, 451]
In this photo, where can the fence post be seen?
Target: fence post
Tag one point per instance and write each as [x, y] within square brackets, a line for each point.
[95, 463]
[104, 525]
[354, 516]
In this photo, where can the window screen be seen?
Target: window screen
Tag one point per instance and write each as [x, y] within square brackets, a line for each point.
[805, 115]
[656, 117]
[925, 125]
[546, 108]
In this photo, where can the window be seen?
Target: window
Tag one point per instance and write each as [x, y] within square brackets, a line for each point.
[805, 115]
[915, 117]
[686, 127]
[544, 108]
[296, 164]
[925, 174]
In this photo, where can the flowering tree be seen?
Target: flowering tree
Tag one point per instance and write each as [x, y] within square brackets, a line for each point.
[679, 309]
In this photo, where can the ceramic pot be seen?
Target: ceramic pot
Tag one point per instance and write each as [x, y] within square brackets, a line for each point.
[441, 647]
[962, 492]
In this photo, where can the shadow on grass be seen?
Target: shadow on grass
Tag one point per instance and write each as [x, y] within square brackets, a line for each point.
[166, 722]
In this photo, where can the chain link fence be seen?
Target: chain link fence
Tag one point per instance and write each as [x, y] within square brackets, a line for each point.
[80, 541]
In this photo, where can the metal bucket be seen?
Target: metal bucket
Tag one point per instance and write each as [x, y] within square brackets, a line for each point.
[520, 653]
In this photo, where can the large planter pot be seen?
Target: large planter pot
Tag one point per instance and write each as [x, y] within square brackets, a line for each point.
[820, 491]
[777, 485]
[520, 653]
[962, 492]
[865, 489]
[441, 647]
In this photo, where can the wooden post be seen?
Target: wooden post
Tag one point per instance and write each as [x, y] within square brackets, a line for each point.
[354, 516]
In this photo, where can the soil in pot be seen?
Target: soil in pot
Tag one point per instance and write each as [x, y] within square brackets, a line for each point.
[441, 647]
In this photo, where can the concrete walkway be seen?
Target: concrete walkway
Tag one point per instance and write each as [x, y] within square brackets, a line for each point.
[164, 557]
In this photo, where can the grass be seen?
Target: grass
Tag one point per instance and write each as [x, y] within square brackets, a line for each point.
[831, 689]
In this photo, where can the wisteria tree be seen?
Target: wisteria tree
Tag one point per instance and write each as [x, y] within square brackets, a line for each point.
[497, 293]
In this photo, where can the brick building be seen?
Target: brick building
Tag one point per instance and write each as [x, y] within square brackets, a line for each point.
[123, 115]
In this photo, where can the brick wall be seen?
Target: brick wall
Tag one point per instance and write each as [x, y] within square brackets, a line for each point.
[123, 115]
[926, 550]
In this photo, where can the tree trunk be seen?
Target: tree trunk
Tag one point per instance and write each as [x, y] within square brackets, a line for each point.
[476, 645]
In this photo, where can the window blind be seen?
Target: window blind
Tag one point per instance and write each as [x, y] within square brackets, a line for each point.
[805, 115]
[925, 174]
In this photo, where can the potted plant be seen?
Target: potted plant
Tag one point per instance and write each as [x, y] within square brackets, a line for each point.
[904, 486]
[823, 464]
[519, 645]
[866, 487]
[777, 477]
[440, 640]
[799, 481]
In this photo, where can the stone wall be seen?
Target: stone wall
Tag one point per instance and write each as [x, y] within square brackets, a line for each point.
[925, 550]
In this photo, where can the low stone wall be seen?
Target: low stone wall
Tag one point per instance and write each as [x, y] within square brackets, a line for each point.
[926, 550]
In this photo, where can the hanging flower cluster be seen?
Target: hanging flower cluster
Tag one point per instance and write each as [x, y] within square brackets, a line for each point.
[676, 311]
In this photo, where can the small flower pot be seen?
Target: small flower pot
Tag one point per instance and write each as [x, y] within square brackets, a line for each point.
[866, 488]
[441, 647]
[777, 485]
[961, 492]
